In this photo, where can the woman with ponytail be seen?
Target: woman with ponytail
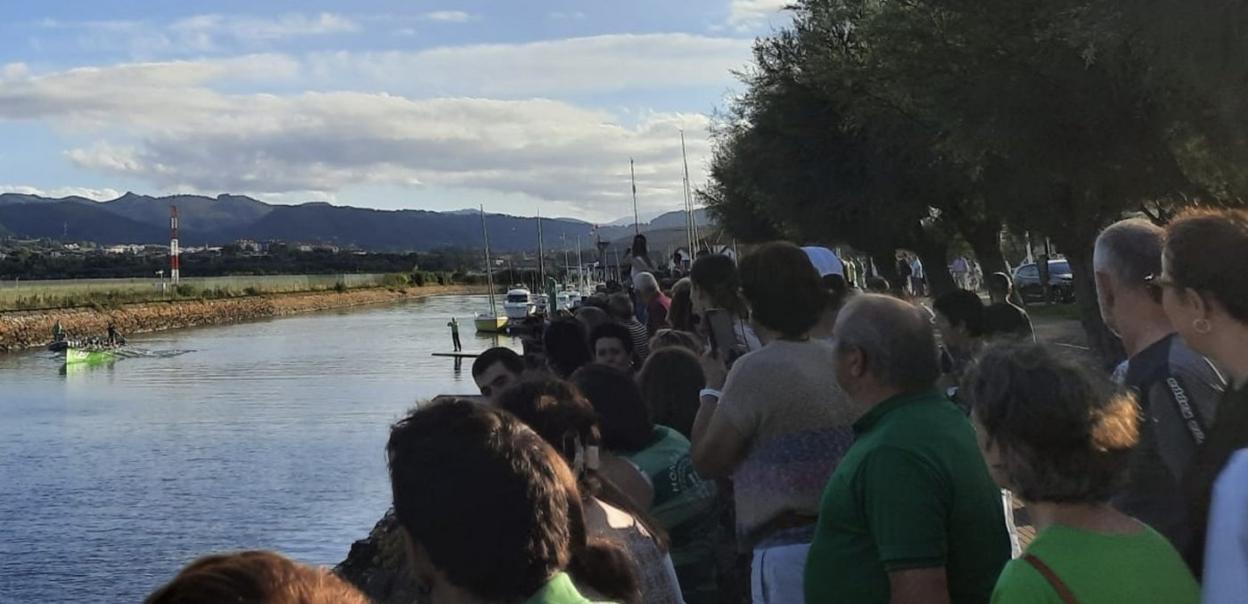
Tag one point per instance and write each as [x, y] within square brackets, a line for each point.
[493, 514]
[562, 416]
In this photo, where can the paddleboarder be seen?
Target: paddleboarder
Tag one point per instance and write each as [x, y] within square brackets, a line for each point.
[454, 325]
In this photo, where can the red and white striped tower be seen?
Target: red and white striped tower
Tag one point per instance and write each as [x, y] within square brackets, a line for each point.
[173, 245]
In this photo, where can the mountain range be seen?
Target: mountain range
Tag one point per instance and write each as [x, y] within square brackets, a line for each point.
[134, 218]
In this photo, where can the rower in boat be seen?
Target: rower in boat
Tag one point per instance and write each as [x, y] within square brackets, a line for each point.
[115, 338]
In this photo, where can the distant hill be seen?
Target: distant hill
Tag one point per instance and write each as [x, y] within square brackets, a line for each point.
[75, 222]
[677, 219]
[134, 218]
[195, 213]
[670, 220]
[404, 229]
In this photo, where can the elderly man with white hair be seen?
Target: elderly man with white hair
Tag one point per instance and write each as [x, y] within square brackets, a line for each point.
[910, 513]
[1178, 389]
[657, 303]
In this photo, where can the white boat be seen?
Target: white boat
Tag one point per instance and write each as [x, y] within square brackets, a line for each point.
[569, 299]
[519, 304]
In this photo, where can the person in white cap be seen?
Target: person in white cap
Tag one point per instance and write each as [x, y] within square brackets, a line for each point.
[826, 262]
[832, 272]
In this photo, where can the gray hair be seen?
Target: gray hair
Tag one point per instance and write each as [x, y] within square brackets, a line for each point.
[646, 282]
[896, 338]
[1129, 250]
[620, 306]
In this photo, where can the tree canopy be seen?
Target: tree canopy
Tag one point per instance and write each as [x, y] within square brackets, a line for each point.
[890, 124]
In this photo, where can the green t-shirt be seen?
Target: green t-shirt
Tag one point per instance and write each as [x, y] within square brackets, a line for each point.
[1099, 569]
[912, 492]
[680, 494]
[685, 505]
[559, 590]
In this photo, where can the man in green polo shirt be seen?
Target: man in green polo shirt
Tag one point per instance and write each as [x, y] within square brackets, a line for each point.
[911, 514]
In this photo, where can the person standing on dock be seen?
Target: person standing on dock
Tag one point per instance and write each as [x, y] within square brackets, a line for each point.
[454, 325]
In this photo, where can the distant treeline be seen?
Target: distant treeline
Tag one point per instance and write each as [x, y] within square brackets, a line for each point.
[31, 264]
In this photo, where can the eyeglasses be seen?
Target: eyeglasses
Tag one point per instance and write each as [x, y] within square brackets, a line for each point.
[1159, 281]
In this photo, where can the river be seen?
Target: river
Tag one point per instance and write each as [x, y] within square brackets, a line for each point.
[266, 434]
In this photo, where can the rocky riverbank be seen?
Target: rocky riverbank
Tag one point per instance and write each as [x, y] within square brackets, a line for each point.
[378, 564]
[30, 329]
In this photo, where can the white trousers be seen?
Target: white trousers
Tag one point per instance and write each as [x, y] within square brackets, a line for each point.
[776, 574]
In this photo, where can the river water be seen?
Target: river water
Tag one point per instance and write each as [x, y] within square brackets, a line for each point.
[267, 434]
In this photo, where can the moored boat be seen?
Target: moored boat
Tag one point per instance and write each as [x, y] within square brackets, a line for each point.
[490, 323]
[519, 304]
[569, 300]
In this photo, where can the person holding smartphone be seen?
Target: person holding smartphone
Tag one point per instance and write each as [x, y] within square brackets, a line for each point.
[715, 294]
[777, 423]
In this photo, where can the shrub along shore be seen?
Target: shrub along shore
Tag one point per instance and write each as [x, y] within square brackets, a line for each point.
[29, 329]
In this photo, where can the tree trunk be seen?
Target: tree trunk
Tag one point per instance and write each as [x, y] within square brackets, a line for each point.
[886, 266]
[935, 268]
[933, 252]
[1105, 345]
[985, 240]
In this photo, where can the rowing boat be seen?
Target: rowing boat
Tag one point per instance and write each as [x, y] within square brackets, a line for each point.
[75, 355]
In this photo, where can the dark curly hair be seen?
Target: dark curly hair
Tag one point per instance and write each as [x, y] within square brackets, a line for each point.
[494, 506]
[626, 423]
[783, 289]
[1208, 251]
[1064, 435]
[963, 308]
[567, 346]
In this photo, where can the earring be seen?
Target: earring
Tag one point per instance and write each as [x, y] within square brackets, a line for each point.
[1202, 326]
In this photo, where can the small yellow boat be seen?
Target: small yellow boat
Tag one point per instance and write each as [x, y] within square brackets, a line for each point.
[490, 324]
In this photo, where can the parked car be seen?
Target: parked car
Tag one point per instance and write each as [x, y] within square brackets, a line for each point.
[1061, 282]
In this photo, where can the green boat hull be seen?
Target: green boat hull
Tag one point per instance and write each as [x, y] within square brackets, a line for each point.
[75, 356]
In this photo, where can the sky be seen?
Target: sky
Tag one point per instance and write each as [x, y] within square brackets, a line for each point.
[524, 107]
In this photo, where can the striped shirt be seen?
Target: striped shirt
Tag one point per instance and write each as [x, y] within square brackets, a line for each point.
[641, 339]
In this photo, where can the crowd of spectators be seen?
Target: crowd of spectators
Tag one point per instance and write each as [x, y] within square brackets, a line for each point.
[781, 430]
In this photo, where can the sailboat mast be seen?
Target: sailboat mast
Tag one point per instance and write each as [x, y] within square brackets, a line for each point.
[688, 203]
[489, 269]
[580, 264]
[541, 255]
[690, 218]
[632, 174]
[567, 264]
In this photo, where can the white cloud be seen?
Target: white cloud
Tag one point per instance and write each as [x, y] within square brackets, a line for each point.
[13, 71]
[164, 124]
[746, 14]
[449, 16]
[199, 33]
[58, 192]
[547, 68]
[263, 29]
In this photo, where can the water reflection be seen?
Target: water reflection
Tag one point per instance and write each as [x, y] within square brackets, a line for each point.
[265, 434]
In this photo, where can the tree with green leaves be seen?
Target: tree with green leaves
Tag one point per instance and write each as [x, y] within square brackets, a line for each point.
[1055, 116]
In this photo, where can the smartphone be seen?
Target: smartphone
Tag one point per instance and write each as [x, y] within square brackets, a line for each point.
[719, 327]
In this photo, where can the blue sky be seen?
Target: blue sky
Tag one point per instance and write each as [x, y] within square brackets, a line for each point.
[522, 106]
